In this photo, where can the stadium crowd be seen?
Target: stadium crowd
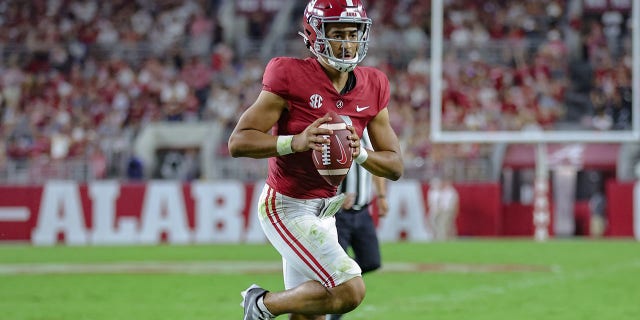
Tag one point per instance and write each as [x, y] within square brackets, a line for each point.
[79, 78]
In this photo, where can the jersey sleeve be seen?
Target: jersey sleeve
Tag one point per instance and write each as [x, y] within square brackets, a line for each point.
[275, 78]
[384, 90]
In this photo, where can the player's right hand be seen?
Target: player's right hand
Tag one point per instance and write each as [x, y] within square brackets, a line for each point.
[313, 137]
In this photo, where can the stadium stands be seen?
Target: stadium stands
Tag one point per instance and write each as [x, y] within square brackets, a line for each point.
[80, 78]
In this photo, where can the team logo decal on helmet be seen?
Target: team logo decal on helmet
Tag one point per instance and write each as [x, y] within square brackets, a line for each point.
[320, 12]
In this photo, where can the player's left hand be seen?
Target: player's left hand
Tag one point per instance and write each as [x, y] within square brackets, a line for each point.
[355, 141]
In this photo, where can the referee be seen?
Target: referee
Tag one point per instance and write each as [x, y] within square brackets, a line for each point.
[354, 222]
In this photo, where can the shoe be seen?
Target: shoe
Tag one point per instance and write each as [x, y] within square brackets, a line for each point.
[334, 316]
[250, 303]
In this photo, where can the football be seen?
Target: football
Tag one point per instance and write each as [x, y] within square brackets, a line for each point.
[335, 159]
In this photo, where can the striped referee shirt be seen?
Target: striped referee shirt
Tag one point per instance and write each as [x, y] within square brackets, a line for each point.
[358, 179]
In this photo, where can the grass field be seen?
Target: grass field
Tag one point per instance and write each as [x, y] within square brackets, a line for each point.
[462, 280]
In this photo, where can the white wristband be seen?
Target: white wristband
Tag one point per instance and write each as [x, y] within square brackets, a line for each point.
[362, 156]
[284, 145]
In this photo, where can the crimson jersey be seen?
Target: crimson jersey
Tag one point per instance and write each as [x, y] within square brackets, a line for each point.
[310, 94]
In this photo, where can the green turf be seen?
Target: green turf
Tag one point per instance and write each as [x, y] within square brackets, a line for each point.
[585, 280]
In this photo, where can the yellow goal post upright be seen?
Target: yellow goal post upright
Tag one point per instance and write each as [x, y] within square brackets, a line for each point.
[541, 138]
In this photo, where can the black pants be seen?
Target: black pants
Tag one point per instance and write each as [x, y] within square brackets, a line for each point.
[357, 230]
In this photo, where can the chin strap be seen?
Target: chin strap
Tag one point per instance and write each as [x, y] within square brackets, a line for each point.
[305, 39]
[342, 67]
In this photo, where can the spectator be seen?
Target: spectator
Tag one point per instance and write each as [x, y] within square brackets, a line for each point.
[443, 208]
[11, 82]
[198, 76]
[201, 33]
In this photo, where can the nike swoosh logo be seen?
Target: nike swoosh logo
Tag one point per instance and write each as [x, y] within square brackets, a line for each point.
[343, 154]
[360, 109]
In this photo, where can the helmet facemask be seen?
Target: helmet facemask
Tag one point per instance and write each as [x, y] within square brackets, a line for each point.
[322, 48]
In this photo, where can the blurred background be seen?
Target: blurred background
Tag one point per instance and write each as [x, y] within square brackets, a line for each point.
[138, 90]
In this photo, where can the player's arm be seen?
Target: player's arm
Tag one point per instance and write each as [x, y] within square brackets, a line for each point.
[386, 160]
[380, 185]
[252, 137]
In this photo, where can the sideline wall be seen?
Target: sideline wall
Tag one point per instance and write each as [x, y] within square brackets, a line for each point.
[110, 212]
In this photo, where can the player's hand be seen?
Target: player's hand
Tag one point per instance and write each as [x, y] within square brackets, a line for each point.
[349, 201]
[355, 141]
[383, 207]
[313, 137]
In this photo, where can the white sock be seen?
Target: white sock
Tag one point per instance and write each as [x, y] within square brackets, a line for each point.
[262, 307]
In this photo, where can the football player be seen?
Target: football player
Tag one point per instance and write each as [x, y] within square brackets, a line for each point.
[283, 124]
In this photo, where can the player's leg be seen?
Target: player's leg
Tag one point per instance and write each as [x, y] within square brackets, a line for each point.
[328, 280]
[311, 300]
[346, 228]
[365, 242]
[296, 281]
[318, 285]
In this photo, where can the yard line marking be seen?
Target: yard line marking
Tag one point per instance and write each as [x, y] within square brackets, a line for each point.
[148, 267]
[240, 267]
[14, 213]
